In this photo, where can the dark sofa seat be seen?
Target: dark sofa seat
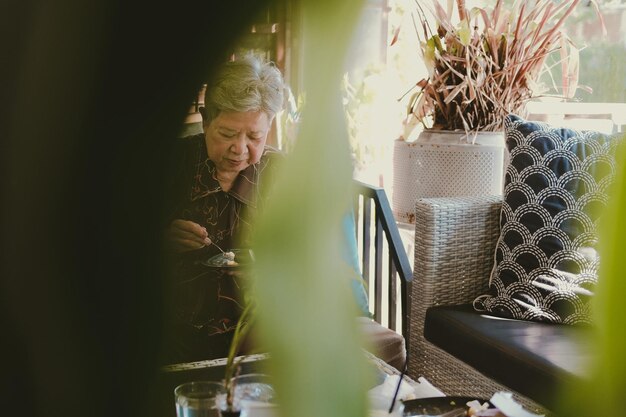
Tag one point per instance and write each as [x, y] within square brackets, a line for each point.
[534, 359]
[456, 349]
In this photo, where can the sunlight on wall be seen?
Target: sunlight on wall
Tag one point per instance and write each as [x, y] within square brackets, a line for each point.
[373, 88]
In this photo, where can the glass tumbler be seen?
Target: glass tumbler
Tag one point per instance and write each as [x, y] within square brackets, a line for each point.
[254, 395]
[198, 399]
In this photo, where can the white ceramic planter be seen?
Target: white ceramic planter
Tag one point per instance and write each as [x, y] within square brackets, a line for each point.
[445, 164]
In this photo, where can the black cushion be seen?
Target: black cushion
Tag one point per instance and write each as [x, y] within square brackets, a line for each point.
[531, 358]
[555, 189]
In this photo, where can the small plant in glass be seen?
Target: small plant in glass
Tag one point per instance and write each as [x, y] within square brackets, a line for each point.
[233, 362]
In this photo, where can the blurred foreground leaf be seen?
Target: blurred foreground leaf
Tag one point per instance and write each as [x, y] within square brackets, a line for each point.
[306, 312]
[603, 395]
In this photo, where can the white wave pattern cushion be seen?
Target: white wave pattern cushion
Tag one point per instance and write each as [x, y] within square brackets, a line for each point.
[556, 186]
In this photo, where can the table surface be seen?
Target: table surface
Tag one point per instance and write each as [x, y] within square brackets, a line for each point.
[216, 366]
[213, 370]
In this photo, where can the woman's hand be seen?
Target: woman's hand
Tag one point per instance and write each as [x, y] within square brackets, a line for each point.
[184, 236]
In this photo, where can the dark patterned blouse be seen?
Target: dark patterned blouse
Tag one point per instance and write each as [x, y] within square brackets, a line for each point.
[204, 303]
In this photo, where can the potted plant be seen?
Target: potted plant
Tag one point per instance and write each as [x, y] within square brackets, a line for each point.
[483, 63]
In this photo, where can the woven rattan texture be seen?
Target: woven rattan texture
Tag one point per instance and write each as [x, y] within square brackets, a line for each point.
[455, 241]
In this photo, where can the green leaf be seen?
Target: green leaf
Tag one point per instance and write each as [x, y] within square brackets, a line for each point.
[306, 310]
[464, 33]
[603, 393]
[429, 49]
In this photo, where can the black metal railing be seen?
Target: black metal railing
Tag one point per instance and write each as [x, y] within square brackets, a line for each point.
[381, 246]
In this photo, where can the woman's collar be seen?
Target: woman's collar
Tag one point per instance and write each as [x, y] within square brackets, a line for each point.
[244, 188]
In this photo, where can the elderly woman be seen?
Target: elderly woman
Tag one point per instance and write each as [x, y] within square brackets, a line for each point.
[221, 183]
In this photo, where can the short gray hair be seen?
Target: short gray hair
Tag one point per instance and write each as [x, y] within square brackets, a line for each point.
[247, 84]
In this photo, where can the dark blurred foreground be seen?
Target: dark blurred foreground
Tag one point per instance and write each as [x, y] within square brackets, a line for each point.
[91, 93]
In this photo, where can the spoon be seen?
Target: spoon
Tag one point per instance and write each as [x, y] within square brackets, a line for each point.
[215, 244]
[229, 256]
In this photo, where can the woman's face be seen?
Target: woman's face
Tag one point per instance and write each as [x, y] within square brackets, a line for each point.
[235, 140]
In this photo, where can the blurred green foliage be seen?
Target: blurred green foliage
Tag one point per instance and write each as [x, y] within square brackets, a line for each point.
[603, 394]
[602, 67]
[305, 309]
[601, 75]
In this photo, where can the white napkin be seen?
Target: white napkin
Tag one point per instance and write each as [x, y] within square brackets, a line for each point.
[388, 388]
[422, 389]
[426, 389]
[504, 402]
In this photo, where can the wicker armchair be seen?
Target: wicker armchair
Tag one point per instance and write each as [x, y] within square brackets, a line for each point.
[455, 240]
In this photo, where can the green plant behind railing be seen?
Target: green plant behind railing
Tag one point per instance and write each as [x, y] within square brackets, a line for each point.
[602, 71]
[288, 120]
